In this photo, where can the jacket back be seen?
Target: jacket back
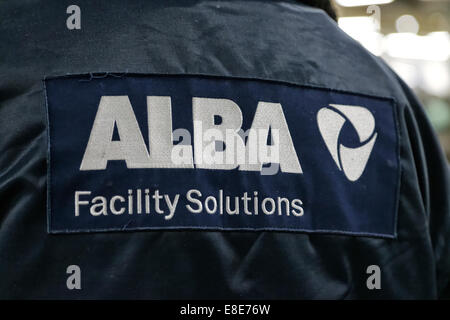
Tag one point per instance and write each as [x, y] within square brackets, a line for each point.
[284, 43]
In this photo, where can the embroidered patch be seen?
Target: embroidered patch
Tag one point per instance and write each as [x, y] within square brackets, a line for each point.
[193, 152]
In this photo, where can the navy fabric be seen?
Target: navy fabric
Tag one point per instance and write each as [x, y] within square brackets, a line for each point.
[331, 203]
[267, 40]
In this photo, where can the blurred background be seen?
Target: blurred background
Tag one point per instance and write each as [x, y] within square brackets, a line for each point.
[413, 37]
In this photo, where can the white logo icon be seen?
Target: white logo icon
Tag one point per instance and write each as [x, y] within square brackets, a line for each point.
[331, 120]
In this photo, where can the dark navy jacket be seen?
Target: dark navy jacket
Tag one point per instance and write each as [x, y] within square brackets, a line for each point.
[268, 41]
